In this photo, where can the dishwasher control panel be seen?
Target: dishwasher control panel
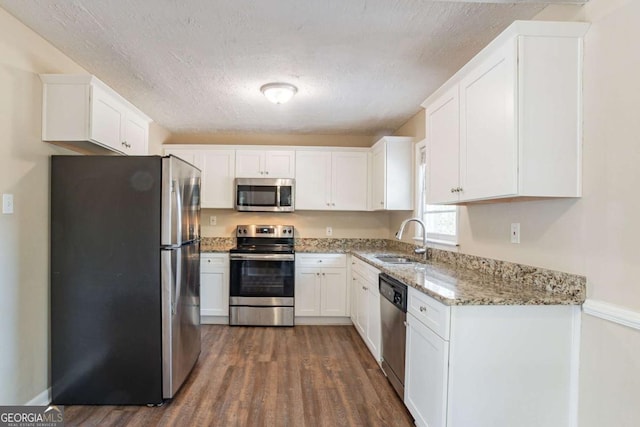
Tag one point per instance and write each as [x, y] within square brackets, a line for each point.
[393, 291]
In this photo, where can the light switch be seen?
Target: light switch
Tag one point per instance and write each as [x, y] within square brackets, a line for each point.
[213, 220]
[7, 203]
[329, 231]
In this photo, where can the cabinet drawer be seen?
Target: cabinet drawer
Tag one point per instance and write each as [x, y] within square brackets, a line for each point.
[435, 315]
[321, 260]
[213, 262]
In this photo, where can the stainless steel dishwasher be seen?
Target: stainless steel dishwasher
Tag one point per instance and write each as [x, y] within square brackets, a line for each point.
[393, 316]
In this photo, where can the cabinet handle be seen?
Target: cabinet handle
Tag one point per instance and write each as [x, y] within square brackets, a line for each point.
[323, 274]
[381, 203]
[460, 189]
[209, 261]
[423, 309]
[453, 190]
[319, 260]
[266, 173]
[317, 274]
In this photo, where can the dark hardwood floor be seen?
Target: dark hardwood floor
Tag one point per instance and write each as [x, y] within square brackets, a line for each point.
[301, 376]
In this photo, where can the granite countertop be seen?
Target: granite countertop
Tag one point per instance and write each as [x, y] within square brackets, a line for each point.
[454, 285]
[449, 277]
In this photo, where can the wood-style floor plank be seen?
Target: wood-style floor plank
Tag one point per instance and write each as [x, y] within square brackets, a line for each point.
[301, 376]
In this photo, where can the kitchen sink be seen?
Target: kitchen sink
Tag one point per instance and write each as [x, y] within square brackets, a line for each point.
[391, 259]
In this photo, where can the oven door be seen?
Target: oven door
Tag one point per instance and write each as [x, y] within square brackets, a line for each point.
[268, 276]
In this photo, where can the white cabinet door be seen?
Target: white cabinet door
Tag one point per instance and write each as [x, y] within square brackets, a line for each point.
[218, 172]
[443, 145]
[313, 180]
[373, 321]
[184, 154]
[426, 373]
[307, 291]
[378, 177]
[362, 304]
[265, 164]
[135, 135]
[214, 285]
[249, 164]
[107, 118]
[488, 140]
[392, 174]
[280, 164]
[349, 180]
[334, 292]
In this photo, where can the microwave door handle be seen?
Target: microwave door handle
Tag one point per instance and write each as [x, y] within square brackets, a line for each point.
[278, 202]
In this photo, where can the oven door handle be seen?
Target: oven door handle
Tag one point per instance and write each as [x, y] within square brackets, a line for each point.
[262, 257]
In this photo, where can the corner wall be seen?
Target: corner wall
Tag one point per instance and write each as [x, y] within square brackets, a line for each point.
[24, 235]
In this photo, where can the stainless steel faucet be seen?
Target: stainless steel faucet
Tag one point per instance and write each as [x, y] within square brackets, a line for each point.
[423, 249]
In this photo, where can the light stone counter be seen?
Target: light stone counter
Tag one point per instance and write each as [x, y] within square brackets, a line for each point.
[452, 278]
[459, 279]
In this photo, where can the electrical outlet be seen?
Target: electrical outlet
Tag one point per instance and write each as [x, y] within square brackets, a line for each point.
[329, 231]
[213, 220]
[515, 232]
[7, 203]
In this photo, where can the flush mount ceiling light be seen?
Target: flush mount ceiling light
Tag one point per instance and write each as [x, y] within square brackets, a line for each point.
[278, 93]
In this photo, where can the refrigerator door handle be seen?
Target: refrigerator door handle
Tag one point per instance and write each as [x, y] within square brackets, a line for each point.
[176, 210]
[177, 271]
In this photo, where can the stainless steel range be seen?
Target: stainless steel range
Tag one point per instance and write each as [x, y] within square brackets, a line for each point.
[262, 276]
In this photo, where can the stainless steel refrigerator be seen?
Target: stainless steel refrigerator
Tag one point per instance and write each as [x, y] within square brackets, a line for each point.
[125, 278]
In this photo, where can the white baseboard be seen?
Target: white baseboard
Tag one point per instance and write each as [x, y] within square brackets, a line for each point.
[613, 313]
[214, 320]
[323, 320]
[43, 399]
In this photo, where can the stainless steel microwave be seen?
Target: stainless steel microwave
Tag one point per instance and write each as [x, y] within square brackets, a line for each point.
[265, 194]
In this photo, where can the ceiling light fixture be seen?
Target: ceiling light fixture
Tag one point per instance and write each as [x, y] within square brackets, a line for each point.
[278, 93]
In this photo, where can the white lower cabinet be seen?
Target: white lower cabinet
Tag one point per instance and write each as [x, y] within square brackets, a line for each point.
[491, 365]
[364, 278]
[214, 287]
[427, 363]
[321, 285]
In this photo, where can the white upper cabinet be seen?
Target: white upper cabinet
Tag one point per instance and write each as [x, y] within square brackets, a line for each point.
[265, 163]
[443, 122]
[508, 124]
[392, 174]
[331, 180]
[218, 173]
[83, 114]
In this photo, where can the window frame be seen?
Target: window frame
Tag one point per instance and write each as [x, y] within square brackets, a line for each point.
[420, 207]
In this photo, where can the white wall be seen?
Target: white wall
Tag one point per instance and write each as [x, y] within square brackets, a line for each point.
[24, 236]
[606, 232]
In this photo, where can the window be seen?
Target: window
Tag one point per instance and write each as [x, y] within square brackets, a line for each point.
[441, 221]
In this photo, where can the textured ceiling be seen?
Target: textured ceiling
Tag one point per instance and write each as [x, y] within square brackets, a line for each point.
[361, 66]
